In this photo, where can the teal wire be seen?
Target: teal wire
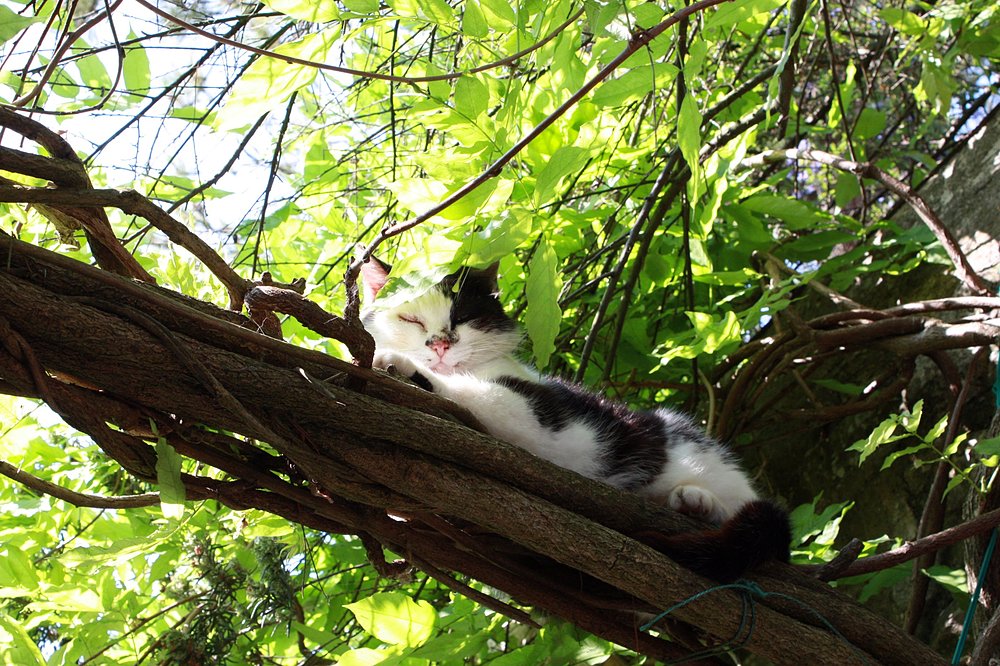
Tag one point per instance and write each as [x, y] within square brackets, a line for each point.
[750, 593]
[974, 601]
[987, 556]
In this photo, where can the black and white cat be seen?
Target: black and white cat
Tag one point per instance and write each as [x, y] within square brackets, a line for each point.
[457, 341]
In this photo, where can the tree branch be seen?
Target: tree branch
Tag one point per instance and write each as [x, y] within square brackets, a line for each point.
[963, 269]
[76, 498]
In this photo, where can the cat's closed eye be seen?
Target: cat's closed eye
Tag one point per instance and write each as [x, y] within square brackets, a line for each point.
[410, 319]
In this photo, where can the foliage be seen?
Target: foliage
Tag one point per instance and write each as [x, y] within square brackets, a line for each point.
[634, 240]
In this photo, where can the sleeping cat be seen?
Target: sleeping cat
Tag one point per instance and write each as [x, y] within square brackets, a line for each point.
[457, 341]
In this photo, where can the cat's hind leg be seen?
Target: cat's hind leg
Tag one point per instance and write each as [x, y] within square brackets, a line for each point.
[701, 478]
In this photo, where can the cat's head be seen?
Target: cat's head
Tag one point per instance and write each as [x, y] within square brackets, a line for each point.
[456, 326]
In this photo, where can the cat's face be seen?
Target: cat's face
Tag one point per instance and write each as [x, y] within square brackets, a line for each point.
[457, 326]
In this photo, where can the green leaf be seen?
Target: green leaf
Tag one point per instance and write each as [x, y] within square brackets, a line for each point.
[472, 97]
[17, 573]
[542, 316]
[474, 21]
[499, 238]
[881, 580]
[911, 420]
[498, 13]
[794, 213]
[846, 190]
[818, 241]
[16, 646]
[715, 333]
[731, 13]
[74, 599]
[136, 69]
[689, 141]
[955, 580]
[362, 657]
[316, 11]
[12, 23]
[94, 75]
[633, 85]
[896, 455]
[565, 161]
[168, 477]
[269, 82]
[395, 618]
[435, 11]
[444, 649]
[882, 434]
[870, 123]
[362, 6]
[808, 523]
[904, 21]
[988, 447]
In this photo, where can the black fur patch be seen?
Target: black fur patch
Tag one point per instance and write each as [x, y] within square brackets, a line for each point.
[635, 442]
[475, 301]
[760, 531]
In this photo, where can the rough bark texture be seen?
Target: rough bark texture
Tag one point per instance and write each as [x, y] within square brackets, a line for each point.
[349, 454]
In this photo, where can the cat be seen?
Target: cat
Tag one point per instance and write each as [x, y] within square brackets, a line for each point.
[456, 340]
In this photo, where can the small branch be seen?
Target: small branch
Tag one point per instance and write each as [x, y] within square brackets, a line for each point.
[130, 201]
[470, 592]
[509, 60]
[73, 497]
[845, 558]
[65, 168]
[376, 557]
[963, 269]
[929, 544]
[267, 297]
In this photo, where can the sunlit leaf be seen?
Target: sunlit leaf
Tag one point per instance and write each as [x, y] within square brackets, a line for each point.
[12, 23]
[473, 20]
[317, 11]
[395, 618]
[16, 646]
[136, 69]
[168, 478]
[883, 433]
[542, 316]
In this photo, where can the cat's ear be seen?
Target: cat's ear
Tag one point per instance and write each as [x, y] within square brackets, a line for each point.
[489, 276]
[374, 275]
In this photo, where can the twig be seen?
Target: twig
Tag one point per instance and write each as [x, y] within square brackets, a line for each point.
[130, 201]
[932, 517]
[913, 549]
[57, 57]
[361, 73]
[963, 269]
[76, 498]
[470, 592]
[266, 297]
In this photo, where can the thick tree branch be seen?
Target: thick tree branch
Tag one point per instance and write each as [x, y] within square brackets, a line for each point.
[361, 457]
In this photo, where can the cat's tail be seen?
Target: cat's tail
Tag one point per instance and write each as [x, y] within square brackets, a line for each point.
[758, 532]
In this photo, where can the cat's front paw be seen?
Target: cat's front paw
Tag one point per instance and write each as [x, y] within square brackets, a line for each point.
[696, 501]
[390, 360]
[404, 366]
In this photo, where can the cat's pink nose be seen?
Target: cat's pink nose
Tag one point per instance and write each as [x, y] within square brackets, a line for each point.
[439, 345]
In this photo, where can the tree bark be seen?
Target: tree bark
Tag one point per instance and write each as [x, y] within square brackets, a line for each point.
[348, 457]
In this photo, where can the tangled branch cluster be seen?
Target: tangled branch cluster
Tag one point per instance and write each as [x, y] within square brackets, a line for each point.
[350, 450]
